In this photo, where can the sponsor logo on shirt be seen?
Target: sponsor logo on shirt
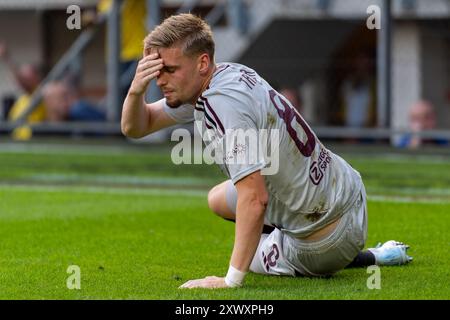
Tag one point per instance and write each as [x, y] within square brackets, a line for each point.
[319, 167]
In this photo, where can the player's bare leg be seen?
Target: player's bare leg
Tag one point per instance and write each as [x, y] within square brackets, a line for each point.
[217, 201]
[223, 203]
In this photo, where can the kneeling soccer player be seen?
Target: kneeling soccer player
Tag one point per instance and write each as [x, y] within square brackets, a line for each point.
[315, 203]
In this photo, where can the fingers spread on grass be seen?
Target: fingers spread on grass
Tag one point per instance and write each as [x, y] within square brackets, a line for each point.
[207, 283]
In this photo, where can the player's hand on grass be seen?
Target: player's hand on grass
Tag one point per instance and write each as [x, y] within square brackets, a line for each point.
[207, 283]
[148, 69]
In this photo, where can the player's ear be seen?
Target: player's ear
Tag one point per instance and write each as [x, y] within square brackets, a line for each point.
[204, 63]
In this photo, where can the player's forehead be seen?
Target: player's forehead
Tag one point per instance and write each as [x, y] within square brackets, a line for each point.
[172, 56]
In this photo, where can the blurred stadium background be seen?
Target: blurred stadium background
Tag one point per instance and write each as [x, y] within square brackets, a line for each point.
[73, 190]
[313, 49]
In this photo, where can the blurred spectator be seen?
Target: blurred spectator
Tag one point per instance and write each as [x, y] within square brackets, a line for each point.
[28, 78]
[359, 93]
[63, 104]
[133, 30]
[293, 96]
[422, 117]
[8, 101]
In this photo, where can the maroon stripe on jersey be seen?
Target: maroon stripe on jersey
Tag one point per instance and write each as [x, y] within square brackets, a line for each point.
[207, 116]
[210, 109]
[211, 121]
[221, 69]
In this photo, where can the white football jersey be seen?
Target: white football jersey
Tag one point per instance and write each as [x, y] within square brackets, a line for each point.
[312, 186]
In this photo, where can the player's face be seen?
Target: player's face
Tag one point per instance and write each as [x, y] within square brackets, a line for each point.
[180, 80]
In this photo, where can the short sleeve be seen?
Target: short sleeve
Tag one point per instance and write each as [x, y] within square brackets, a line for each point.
[239, 142]
[241, 156]
[181, 114]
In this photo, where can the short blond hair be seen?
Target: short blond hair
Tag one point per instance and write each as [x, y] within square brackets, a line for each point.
[192, 33]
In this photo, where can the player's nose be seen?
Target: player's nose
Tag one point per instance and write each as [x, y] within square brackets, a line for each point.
[160, 80]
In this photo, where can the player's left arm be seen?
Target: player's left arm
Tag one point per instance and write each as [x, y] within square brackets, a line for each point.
[251, 206]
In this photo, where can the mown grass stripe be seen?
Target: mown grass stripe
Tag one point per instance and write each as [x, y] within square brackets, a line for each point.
[187, 192]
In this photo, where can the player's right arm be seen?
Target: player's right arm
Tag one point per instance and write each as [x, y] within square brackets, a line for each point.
[138, 117]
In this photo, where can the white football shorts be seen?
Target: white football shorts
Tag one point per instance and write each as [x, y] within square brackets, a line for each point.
[281, 254]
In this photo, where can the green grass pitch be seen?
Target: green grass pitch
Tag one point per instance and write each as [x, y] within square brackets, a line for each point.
[138, 227]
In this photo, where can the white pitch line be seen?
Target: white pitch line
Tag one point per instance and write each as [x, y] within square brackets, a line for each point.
[400, 158]
[406, 199]
[181, 192]
[410, 192]
[55, 149]
[114, 179]
[179, 182]
[105, 190]
[80, 149]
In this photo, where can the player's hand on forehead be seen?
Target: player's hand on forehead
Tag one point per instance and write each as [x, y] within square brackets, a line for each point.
[151, 52]
[149, 68]
[151, 58]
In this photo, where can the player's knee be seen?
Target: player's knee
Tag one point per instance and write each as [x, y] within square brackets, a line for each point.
[213, 200]
[217, 202]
